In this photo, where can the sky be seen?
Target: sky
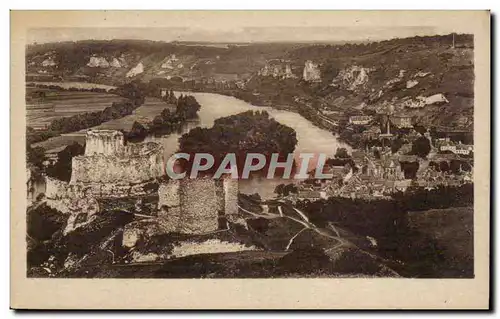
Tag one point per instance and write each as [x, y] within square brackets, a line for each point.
[233, 34]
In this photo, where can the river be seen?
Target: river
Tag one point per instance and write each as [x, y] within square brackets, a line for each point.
[311, 139]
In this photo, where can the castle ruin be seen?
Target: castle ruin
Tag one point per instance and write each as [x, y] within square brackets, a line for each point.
[112, 169]
[108, 160]
[197, 205]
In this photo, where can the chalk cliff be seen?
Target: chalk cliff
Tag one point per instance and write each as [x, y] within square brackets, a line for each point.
[138, 69]
[98, 62]
[352, 77]
[311, 72]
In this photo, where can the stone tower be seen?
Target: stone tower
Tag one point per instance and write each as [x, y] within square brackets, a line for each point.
[105, 142]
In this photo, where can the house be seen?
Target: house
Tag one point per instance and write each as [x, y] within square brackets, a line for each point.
[402, 121]
[360, 119]
[402, 185]
[463, 149]
[460, 149]
[310, 194]
[373, 169]
[372, 132]
[391, 169]
[358, 157]
[340, 173]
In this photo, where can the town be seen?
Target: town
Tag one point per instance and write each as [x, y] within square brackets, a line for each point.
[395, 154]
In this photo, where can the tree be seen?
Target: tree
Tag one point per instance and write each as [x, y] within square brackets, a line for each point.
[421, 147]
[443, 166]
[290, 188]
[62, 168]
[396, 145]
[138, 131]
[420, 129]
[279, 189]
[341, 153]
[35, 155]
[165, 113]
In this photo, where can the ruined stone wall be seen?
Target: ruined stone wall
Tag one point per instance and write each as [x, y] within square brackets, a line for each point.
[199, 205]
[195, 205]
[230, 187]
[117, 169]
[56, 189]
[106, 142]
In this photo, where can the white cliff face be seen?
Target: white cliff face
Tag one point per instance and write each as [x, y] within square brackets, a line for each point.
[353, 77]
[49, 62]
[278, 69]
[98, 62]
[288, 72]
[411, 83]
[169, 62]
[138, 69]
[421, 74]
[434, 99]
[116, 63]
[311, 72]
[167, 65]
[422, 101]
[123, 60]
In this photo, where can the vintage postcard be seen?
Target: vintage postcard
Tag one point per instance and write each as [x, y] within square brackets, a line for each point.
[250, 160]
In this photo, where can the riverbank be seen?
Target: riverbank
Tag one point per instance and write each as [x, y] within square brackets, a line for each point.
[261, 100]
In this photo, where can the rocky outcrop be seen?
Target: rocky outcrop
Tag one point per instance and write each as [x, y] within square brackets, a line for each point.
[411, 83]
[434, 99]
[277, 69]
[170, 62]
[49, 62]
[115, 63]
[352, 78]
[98, 62]
[138, 69]
[422, 101]
[311, 72]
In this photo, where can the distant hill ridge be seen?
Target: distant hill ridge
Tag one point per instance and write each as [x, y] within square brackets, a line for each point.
[350, 76]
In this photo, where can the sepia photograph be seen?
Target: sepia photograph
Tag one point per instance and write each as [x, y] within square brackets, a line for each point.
[316, 152]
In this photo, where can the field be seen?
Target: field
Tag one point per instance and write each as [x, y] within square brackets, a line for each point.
[143, 114]
[62, 140]
[76, 85]
[45, 105]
